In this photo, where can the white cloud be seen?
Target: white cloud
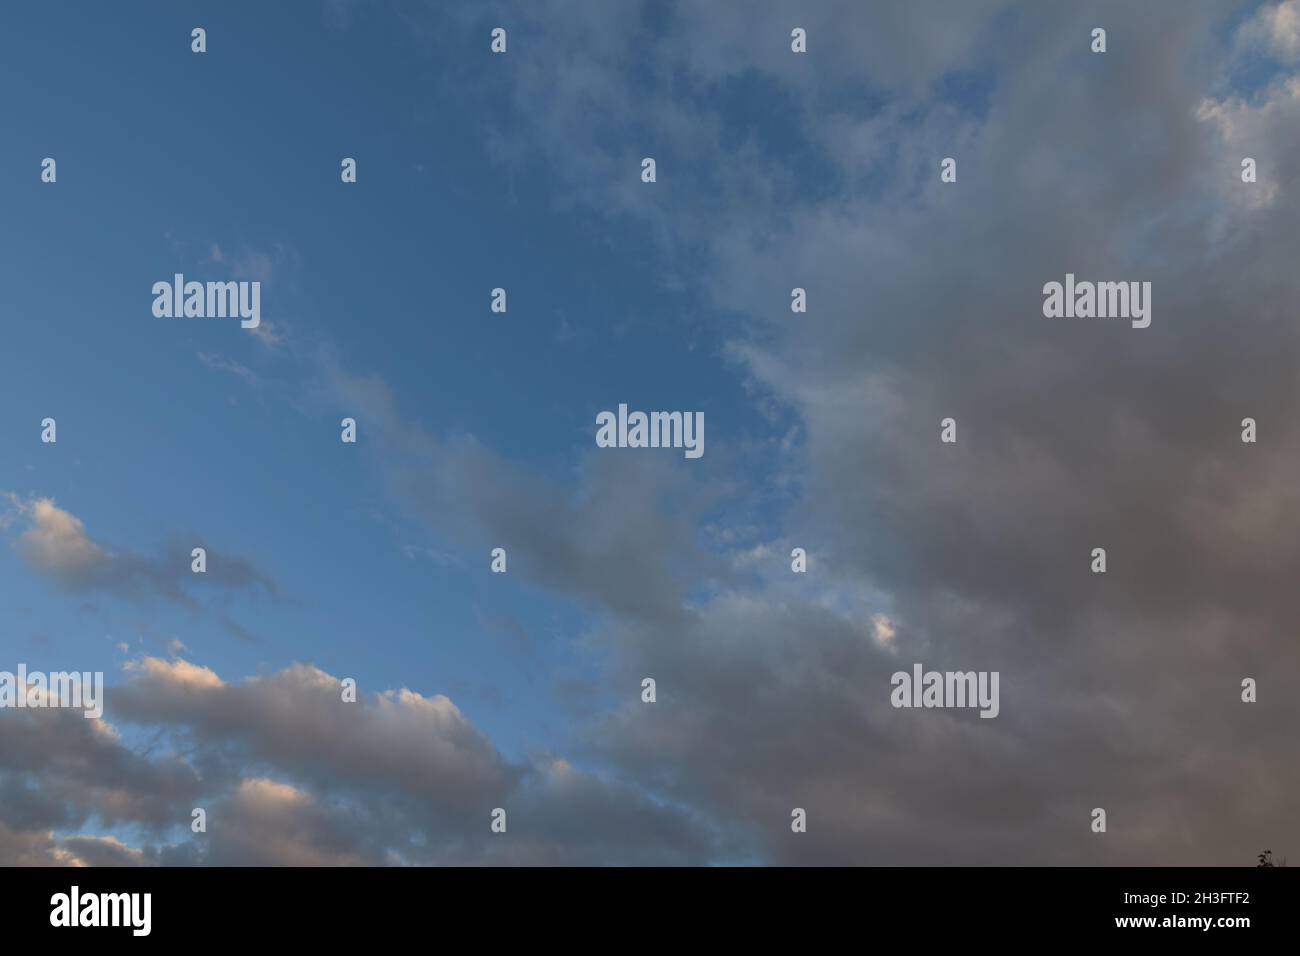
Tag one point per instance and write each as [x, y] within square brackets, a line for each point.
[56, 540]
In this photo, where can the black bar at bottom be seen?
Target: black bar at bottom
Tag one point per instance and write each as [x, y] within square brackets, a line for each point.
[673, 906]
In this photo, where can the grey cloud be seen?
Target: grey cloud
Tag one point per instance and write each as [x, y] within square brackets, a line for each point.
[290, 775]
[54, 542]
[925, 302]
[20, 847]
[598, 538]
[393, 777]
[296, 720]
[57, 767]
[1117, 691]
[602, 541]
[104, 851]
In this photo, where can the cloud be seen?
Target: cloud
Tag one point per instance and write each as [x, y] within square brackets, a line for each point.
[599, 540]
[1275, 28]
[1118, 690]
[55, 543]
[159, 675]
[290, 774]
[296, 720]
[44, 848]
[270, 335]
[58, 770]
[31, 848]
[102, 851]
[220, 364]
[926, 303]
[266, 823]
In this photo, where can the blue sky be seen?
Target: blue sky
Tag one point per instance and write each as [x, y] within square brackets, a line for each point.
[476, 429]
[165, 156]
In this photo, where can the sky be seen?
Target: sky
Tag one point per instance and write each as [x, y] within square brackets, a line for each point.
[476, 430]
